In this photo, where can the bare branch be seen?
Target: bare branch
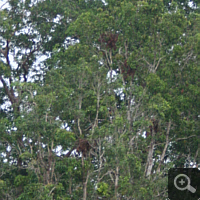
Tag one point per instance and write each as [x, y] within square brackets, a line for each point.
[158, 63]
[147, 62]
[185, 138]
[3, 5]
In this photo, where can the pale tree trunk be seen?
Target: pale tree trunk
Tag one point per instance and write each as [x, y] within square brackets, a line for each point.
[84, 181]
[165, 148]
[149, 164]
[79, 106]
[197, 164]
[116, 182]
[98, 104]
[85, 186]
[129, 110]
[70, 185]
[79, 126]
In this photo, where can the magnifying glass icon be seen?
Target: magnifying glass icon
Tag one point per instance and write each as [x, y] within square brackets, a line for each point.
[187, 187]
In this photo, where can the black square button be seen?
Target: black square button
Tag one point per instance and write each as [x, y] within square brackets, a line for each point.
[184, 184]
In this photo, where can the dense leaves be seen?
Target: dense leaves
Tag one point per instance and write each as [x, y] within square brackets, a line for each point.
[98, 99]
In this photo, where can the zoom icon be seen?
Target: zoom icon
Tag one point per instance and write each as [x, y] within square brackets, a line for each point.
[184, 184]
[184, 180]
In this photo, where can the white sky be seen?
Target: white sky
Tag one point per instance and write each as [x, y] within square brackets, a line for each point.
[3, 4]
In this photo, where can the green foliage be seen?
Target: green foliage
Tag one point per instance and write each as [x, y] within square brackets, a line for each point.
[103, 189]
[70, 101]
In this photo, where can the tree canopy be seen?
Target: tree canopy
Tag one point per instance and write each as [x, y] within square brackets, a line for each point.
[99, 99]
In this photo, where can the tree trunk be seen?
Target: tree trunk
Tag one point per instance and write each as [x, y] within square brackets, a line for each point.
[149, 164]
[165, 148]
[116, 182]
[85, 187]
[70, 185]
